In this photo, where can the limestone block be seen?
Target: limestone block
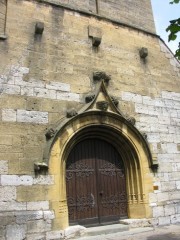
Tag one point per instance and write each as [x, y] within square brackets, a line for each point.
[8, 115]
[55, 235]
[45, 93]
[16, 232]
[49, 215]
[166, 137]
[148, 119]
[32, 116]
[128, 96]
[3, 167]
[175, 195]
[177, 207]
[174, 176]
[5, 140]
[169, 148]
[64, 87]
[11, 89]
[153, 137]
[175, 218]
[38, 226]
[44, 180]
[68, 96]
[12, 206]
[7, 193]
[168, 186]
[140, 108]
[152, 197]
[36, 236]
[165, 167]
[27, 91]
[158, 102]
[39, 205]
[164, 220]
[15, 180]
[6, 218]
[143, 127]
[169, 210]
[158, 211]
[23, 217]
[24, 70]
[164, 196]
[164, 120]
[74, 231]
[178, 184]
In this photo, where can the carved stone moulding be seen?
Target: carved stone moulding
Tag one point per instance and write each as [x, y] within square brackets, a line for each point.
[132, 120]
[102, 105]
[71, 113]
[115, 100]
[50, 133]
[98, 76]
[89, 98]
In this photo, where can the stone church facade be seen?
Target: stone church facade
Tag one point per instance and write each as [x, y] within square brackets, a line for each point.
[90, 118]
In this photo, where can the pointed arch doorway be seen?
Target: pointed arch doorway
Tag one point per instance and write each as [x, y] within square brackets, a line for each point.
[95, 183]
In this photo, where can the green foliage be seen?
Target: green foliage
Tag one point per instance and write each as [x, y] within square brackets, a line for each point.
[174, 29]
[175, 1]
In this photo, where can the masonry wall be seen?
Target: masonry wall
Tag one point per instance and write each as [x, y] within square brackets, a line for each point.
[42, 77]
[2, 16]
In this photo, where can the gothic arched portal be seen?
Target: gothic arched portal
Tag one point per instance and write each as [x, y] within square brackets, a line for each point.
[106, 125]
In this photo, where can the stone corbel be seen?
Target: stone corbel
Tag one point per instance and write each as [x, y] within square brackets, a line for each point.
[155, 164]
[40, 168]
[39, 28]
[96, 34]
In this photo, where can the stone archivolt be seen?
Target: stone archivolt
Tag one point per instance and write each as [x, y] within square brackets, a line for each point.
[105, 122]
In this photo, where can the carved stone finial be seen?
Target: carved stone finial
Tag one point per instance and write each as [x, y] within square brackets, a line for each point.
[97, 76]
[115, 100]
[39, 28]
[143, 52]
[102, 105]
[71, 113]
[132, 120]
[89, 98]
[50, 133]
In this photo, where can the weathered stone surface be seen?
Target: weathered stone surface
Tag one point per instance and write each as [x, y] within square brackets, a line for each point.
[3, 167]
[74, 231]
[32, 116]
[15, 180]
[41, 205]
[23, 217]
[16, 232]
[7, 193]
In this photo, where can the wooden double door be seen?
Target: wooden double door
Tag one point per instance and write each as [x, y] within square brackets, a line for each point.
[95, 183]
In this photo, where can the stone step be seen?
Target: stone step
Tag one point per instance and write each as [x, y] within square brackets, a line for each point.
[114, 233]
[103, 230]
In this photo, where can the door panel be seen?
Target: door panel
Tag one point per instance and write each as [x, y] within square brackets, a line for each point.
[96, 188]
[81, 183]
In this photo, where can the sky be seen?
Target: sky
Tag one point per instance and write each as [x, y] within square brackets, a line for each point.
[163, 13]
